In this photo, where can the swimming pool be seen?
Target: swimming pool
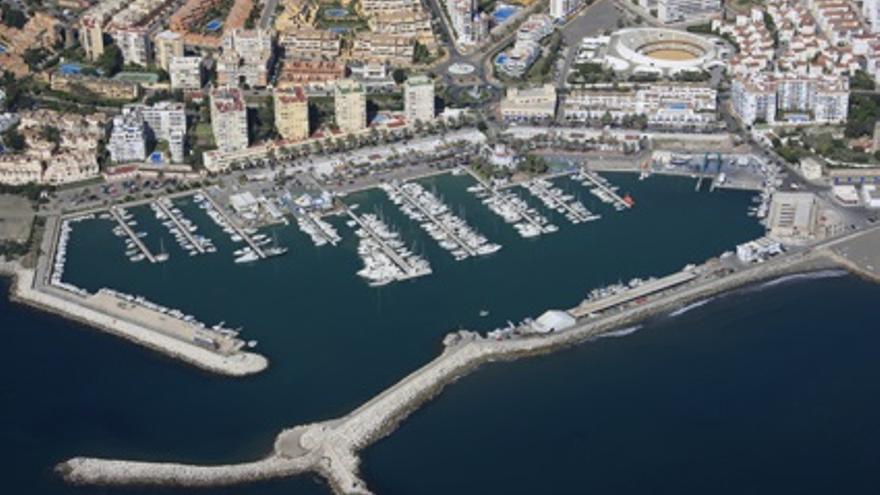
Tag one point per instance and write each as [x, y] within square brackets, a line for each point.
[336, 12]
[70, 68]
[214, 25]
[504, 12]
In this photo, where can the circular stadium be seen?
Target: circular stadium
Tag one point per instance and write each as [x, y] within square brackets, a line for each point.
[661, 51]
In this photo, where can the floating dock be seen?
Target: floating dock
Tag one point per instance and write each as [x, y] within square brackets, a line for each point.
[328, 236]
[554, 201]
[391, 253]
[449, 232]
[131, 234]
[244, 235]
[523, 212]
[184, 230]
[618, 200]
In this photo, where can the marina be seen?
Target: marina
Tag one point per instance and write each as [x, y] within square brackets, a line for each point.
[386, 258]
[125, 221]
[319, 230]
[514, 210]
[297, 352]
[555, 199]
[181, 228]
[602, 189]
[253, 251]
[434, 217]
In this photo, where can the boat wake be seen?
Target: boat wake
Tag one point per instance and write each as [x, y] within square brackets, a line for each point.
[684, 309]
[623, 332]
[797, 277]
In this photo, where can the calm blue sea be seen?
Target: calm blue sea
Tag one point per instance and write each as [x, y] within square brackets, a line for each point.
[763, 391]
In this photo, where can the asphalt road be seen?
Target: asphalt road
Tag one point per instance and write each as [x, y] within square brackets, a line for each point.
[592, 21]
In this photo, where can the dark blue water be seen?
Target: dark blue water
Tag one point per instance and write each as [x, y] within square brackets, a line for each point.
[758, 392]
[334, 342]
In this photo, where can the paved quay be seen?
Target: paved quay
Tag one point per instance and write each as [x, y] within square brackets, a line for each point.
[136, 329]
[134, 323]
[330, 448]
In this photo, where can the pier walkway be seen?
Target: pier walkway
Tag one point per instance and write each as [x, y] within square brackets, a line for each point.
[590, 177]
[388, 250]
[132, 235]
[329, 237]
[523, 212]
[555, 201]
[244, 235]
[184, 230]
[449, 232]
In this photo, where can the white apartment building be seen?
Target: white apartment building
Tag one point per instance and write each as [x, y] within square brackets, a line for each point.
[128, 138]
[350, 104]
[466, 21]
[527, 48]
[229, 119]
[754, 100]
[559, 9]
[871, 11]
[526, 104]
[418, 98]
[167, 45]
[134, 44]
[246, 56]
[371, 7]
[686, 10]
[185, 72]
[413, 24]
[793, 98]
[662, 104]
[166, 121]
[383, 48]
[310, 44]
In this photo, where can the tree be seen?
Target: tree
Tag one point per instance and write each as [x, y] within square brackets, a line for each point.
[13, 140]
[110, 62]
[13, 18]
[399, 76]
[52, 134]
[33, 56]
[421, 54]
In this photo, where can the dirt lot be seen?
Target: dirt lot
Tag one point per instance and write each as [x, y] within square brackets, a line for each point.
[16, 218]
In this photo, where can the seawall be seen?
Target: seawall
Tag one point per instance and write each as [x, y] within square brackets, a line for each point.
[23, 291]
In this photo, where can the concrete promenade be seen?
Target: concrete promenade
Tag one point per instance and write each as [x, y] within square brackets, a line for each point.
[25, 291]
[330, 448]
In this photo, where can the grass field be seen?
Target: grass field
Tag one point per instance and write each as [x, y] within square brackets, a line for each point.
[16, 218]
